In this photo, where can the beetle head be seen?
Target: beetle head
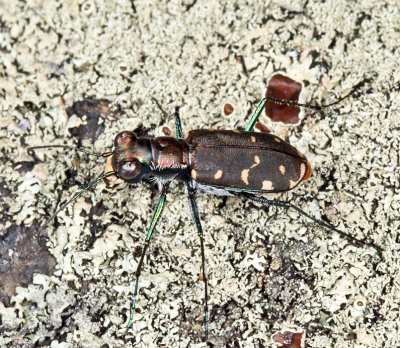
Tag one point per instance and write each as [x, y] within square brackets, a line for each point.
[132, 157]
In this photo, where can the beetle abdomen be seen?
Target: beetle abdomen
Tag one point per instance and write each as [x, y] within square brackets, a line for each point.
[245, 160]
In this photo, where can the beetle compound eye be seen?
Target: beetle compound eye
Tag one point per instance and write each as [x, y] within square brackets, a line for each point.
[130, 170]
[124, 137]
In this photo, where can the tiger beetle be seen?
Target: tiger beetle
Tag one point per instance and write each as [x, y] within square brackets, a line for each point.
[240, 163]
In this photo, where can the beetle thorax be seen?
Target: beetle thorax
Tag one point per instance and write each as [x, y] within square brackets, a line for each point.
[169, 153]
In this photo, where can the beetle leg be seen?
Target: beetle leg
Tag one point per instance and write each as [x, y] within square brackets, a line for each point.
[264, 101]
[194, 210]
[156, 217]
[256, 115]
[178, 125]
[328, 226]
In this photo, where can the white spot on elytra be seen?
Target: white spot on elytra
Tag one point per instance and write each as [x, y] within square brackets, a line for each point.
[302, 170]
[218, 174]
[257, 161]
[282, 169]
[193, 174]
[245, 176]
[267, 185]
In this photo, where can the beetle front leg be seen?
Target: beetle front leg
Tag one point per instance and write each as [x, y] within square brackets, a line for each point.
[194, 210]
[156, 217]
[288, 205]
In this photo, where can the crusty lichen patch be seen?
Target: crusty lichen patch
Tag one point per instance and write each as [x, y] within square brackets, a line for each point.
[267, 269]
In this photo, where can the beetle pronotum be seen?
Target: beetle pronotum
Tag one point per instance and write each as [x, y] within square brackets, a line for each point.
[239, 163]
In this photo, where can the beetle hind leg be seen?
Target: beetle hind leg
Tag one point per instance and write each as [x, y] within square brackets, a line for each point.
[261, 105]
[283, 204]
[178, 125]
[196, 219]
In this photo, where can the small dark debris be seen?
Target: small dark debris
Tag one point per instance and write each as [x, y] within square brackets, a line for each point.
[166, 131]
[351, 336]
[262, 127]
[228, 109]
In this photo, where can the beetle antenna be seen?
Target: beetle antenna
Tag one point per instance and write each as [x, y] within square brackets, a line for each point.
[73, 198]
[317, 107]
[264, 101]
[71, 147]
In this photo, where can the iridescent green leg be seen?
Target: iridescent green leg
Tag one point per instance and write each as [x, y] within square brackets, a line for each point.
[156, 217]
[264, 101]
[195, 216]
[178, 126]
[256, 115]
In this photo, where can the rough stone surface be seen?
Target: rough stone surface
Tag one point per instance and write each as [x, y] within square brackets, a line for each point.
[268, 269]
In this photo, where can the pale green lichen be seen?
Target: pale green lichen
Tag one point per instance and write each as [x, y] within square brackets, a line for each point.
[188, 57]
